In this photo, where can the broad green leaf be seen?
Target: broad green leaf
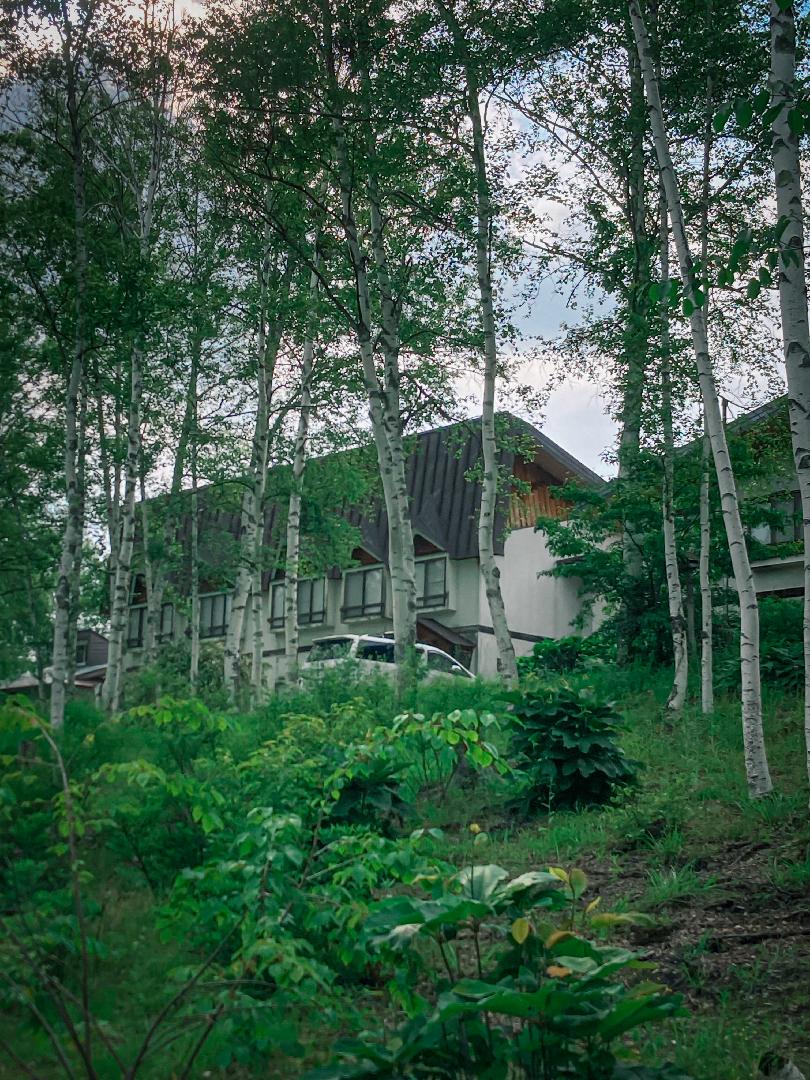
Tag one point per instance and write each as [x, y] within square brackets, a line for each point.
[521, 928]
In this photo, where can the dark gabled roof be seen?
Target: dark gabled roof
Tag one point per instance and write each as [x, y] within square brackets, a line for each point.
[445, 498]
[768, 411]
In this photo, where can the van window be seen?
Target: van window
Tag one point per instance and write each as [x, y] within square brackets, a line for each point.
[330, 649]
[437, 661]
[380, 651]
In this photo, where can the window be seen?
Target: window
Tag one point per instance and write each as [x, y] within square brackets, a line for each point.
[81, 653]
[437, 661]
[330, 649]
[166, 631]
[215, 610]
[364, 593]
[431, 582]
[135, 625]
[380, 651]
[311, 603]
[277, 594]
[791, 528]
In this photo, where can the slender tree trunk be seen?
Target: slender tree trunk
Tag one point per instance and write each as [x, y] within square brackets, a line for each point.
[73, 530]
[383, 399]
[256, 610]
[194, 636]
[402, 562]
[293, 559]
[154, 594]
[76, 570]
[118, 620]
[756, 763]
[490, 571]
[706, 600]
[793, 288]
[677, 622]
[251, 515]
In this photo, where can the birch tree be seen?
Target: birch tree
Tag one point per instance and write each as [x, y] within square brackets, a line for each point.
[680, 651]
[792, 281]
[484, 225]
[142, 183]
[756, 764]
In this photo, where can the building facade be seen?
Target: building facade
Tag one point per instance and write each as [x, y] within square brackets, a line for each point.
[453, 612]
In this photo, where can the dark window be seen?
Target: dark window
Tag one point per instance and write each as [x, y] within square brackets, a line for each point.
[330, 649]
[135, 625]
[215, 610]
[380, 651]
[311, 603]
[431, 582]
[364, 593]
[437, 661]
[166, 632]
[81, 653]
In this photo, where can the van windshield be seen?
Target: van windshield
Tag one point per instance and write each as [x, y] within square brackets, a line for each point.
[330, 649]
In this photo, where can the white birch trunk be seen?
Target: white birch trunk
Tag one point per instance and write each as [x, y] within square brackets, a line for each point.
[490, 573]
[704, 568]
[383, 398]
[293, 550]
[401, 558]
[677, 622]
[256, 608]
[252, 509]
[118, 621]
[194, 643]
[756, 763]
[793, 289]
[73, 530]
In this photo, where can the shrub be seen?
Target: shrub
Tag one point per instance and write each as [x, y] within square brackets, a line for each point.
[781, 649]
[540, 1001]
[561, 656]
[564, 742]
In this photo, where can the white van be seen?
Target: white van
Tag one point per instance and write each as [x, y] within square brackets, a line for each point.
[375, 655]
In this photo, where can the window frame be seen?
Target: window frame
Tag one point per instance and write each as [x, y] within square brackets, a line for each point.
[433, 600]
[220, 629]
[165, 635]
[306, 617]
[364, 609]
[136, 642]
[82, 649]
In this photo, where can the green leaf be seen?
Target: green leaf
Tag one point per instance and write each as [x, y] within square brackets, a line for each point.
[687, 307]
[577, 882]
[743, 112]
[795, 121]
[721, 118]
[521, 928]
[753, 290]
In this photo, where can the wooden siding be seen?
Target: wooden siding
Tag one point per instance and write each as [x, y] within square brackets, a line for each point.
[525, 509]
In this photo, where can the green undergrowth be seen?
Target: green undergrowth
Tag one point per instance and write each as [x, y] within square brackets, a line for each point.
[203, 832]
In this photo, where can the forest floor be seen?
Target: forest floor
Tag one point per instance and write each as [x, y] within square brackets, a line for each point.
[726, 880]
